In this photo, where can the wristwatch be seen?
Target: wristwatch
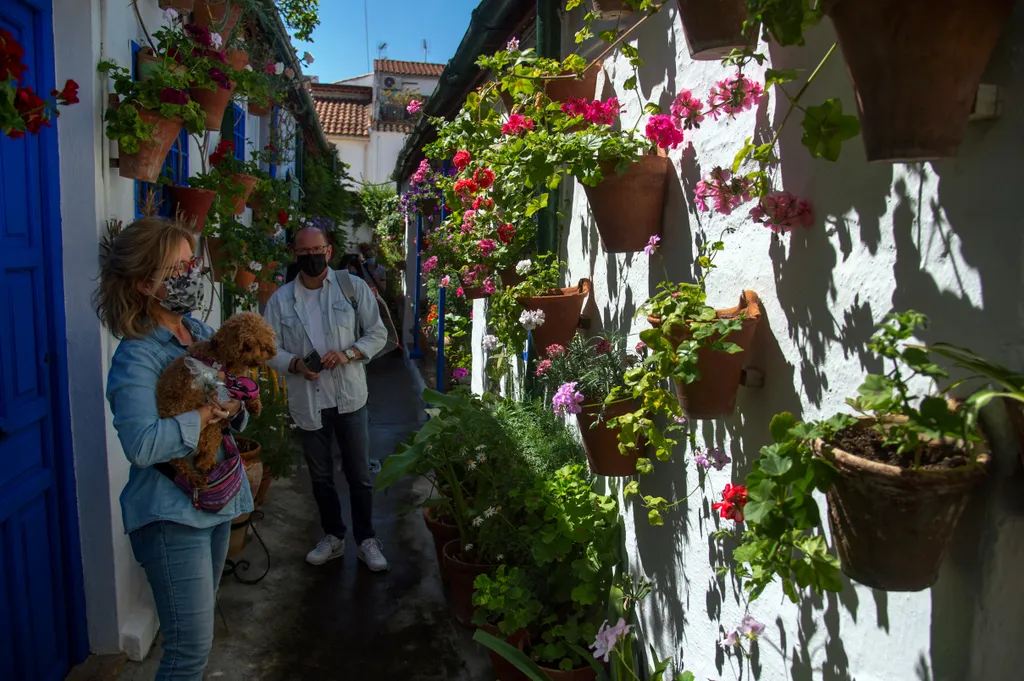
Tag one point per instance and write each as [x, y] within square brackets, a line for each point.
[351, 354]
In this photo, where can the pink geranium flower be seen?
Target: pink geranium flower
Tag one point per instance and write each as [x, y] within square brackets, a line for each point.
[429, 264]
[733, 95]
[723, 190]
[662, 130]
[486, 246]
[783, 212]
[688, 109]
[517, 124]
[414, 106]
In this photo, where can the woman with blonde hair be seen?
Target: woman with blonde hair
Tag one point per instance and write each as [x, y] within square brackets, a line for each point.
[149, 280]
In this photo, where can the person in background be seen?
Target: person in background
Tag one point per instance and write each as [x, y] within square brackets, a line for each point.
[149, 280]
[313, 313]
[350, 263]
[376, 272]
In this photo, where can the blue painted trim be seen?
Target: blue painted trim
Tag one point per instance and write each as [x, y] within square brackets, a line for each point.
[416, 352]
[441, 373]
[274, 113]
[67, 495]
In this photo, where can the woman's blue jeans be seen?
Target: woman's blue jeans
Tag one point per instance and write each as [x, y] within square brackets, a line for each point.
[184, 566]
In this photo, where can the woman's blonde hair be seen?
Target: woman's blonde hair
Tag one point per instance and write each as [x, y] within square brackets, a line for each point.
[129, 257]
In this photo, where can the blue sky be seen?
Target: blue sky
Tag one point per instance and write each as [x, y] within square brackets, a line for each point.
[340, 46]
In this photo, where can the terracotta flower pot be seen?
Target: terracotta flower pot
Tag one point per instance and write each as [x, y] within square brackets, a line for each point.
[442, 534]
[573, 88]
[460, 579]
[612, 9]
[713, 28]
[892, 526]
[213, 103]
[219, 259]
[146, 164]
[217, 15]
[237, 59]
[713, 395]
[244, 278]
[180, 5]
[502, 669]
[562, 308]
[239, 526]
[192, 204]
[582, 674]
[602, 443]
[628, 208]
[259, 109]
[248, 449]
[239, 532]
[265, 291]
[248, 183]
[509, 277]
[916, 79]
[475, 292]
[147, 63]
[261, 494]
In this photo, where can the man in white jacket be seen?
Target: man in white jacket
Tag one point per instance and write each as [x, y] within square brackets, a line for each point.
[335, 314]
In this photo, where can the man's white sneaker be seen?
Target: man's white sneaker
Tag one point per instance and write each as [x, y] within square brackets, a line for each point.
[369, 553]
[329, 548]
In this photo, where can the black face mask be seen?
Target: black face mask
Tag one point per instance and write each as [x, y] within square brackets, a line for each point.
[312, 264]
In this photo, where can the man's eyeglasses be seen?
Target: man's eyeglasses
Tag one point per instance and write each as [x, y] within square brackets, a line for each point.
[315, 250]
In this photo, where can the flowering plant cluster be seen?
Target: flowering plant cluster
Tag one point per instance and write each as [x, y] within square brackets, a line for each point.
[22, 110]
[594, 367]
[424, 194]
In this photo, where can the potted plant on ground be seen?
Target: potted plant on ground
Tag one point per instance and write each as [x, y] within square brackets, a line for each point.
[505, 608]
[579, 379]
[273, 429]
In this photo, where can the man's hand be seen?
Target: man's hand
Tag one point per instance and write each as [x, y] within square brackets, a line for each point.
[301, 369]
[334, 359]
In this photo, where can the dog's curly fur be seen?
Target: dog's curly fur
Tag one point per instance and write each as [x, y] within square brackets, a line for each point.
[243, 342]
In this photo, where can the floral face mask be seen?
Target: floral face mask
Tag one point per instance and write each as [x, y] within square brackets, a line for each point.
[184, 292]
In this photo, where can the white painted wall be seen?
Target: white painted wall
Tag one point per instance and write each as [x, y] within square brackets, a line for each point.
[121, 613]
[942, 238]
[384, 150]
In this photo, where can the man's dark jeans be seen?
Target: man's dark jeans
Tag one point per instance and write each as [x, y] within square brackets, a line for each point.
[353, 433]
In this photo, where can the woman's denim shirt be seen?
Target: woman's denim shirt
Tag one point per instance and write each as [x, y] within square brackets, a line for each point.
[148, 439]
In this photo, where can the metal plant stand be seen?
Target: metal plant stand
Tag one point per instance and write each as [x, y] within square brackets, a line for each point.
[241, 568]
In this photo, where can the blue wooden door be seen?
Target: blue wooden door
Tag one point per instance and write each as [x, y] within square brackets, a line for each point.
[41, 633]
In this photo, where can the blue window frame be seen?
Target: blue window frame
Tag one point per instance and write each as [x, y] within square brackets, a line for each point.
[239, 131]
[175, 166]
[274, 113]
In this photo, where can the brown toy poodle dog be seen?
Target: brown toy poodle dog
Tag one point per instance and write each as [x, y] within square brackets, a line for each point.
[245, 341]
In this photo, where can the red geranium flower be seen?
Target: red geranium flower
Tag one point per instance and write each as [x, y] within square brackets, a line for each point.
[506, 233]
[462, 159]
[224, 149]
[483, 202]
[734, 498]
[219, 77]
[170, 95]
[484, 177]
[69, 95]
[199, 34]
[465, 188]
[11, 54]
[282, 217]
[32, 109]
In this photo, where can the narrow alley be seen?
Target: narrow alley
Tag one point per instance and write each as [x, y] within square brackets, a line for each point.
[340, 622]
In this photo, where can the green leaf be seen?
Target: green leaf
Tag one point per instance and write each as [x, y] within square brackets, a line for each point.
[778, 76]
[654, 518]
[826, 128]
[686, 676]
[780, 425]
[630, 83]
[774, 465]
[513, 655]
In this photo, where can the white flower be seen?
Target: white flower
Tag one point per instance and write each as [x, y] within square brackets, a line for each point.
[489, 513]
[481, 457]
[500, 557]
[216, 40]
[279, 68]
[478, 521]
[471, 465]
[254, 287]
[248, 67]
[293, 426]
[307, 57]
[469, 547]
[255, 266]
[481, 448]
[433, 412]
[490, 343]
[170, 14]
[523, 266]
[531, 319]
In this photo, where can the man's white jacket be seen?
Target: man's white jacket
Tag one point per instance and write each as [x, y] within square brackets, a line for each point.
[287, 315]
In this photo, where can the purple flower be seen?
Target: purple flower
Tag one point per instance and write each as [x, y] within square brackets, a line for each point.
[702, 461]
[719, 457]
[750, 627]
[459, 373]
[652, 245]
[567, 400]
[608, 637]
[731, 639]
[680, 420]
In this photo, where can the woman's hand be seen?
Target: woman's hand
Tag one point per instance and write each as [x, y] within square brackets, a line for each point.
[215, 412]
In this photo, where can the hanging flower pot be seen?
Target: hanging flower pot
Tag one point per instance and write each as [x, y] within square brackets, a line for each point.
[217, 15]
[574, 88]
[628, 208]
[602, 443]
[237, 59]
[260, 109]
[713, 395]
[442, 534]
[713, 28]
[461, 576]
[475, 292]
[612, 9]
[917, 77]
[509, 277]
[892, 525]
[248, 183]
[147, 64]
[562, 308]
[218, 257]
[146, 164]
[191, 204]
[180, 5]
[213, 103]
[244, 279]
[265, 291]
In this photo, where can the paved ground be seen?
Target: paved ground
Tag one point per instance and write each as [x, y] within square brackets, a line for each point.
[340, 622]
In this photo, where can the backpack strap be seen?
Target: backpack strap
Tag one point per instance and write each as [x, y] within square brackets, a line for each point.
[345, 279]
